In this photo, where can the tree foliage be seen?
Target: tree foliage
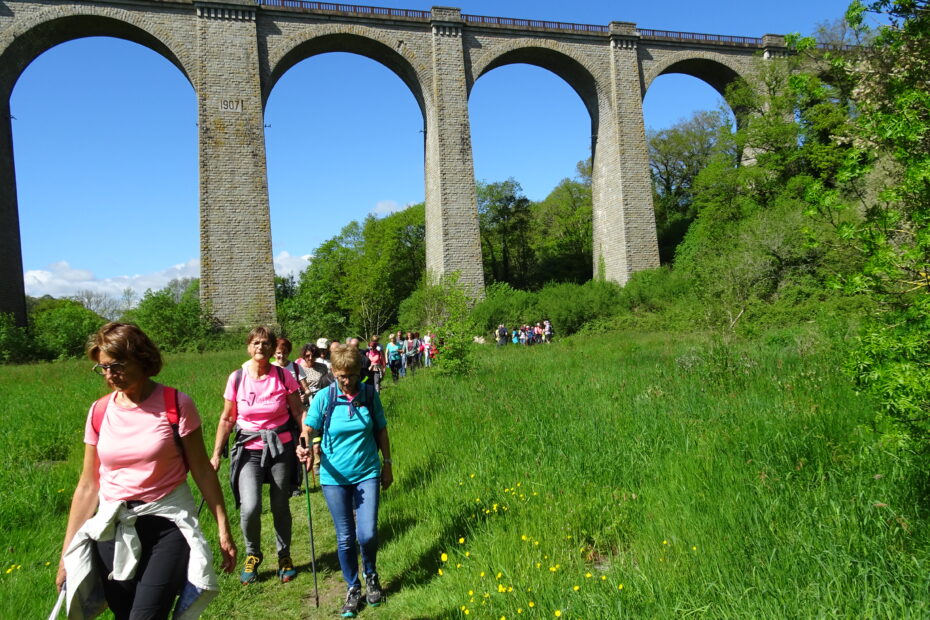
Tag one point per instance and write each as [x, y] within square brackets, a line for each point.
[890, 140]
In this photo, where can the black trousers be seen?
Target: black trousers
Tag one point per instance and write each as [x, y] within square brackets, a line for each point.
[161, 573]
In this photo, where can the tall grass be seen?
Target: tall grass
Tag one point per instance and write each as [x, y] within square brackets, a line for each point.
[629, 476]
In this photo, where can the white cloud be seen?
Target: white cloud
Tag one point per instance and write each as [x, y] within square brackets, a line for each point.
[386, 207]
[60, 279]
[287, 265]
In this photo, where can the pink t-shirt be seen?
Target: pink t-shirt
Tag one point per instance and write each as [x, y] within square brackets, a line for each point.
[139, 459]
[261, 403]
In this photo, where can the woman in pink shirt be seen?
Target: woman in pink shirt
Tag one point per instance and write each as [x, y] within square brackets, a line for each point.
[136, 460]
[262, 404]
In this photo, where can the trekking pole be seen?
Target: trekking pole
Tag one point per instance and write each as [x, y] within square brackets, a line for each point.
[316, 590]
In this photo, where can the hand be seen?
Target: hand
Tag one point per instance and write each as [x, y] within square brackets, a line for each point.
[60, 577]
[215, 462]
[387, 476]
[228, 551]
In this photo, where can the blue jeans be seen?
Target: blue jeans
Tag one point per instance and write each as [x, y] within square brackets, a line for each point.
[360, 530]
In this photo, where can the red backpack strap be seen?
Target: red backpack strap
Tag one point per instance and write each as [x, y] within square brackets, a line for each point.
[99, 411]
[172, 406]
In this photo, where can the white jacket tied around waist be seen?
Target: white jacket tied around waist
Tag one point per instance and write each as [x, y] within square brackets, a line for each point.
[116, 521]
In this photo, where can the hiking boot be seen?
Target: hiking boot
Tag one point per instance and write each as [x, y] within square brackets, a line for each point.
[286, 570]
[373, 590]
[350, 608]
[249, 572]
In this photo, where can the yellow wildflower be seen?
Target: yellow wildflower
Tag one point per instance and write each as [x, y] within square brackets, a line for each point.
[462, 540]
[558, 613]
[444, 557]
[576, 588]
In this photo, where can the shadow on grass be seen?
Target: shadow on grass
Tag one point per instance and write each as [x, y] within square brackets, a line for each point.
[425, 567]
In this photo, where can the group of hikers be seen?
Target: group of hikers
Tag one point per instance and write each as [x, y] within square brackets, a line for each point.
[133, 541]
[525, 334]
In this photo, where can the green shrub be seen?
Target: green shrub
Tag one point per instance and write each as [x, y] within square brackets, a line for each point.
[174, 324]
[504, 304]
[62, 331]
[15, 344]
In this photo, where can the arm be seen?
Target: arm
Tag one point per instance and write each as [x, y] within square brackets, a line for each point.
[83, 503]
[387, 468]
[306, 454]
[296, 407]
[205, 476]
[223, 430]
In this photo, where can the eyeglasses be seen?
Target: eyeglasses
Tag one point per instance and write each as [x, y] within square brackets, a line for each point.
[116, 368]
[342, 377]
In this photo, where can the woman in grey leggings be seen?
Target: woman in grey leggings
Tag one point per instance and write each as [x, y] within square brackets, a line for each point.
[262, 404]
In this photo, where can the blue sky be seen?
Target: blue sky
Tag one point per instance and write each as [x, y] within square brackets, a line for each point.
[105, 140]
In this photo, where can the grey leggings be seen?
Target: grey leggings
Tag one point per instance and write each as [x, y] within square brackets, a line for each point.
[278, 473]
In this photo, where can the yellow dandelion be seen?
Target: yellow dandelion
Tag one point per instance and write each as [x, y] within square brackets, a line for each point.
[531, 604]
[486, 595]
[472, 476]
[466, 612]
[510, 588]
[694, 548]
[458, 565]
[9, 570]
[538, 564]
[471, 593]
[603, 578]
[481, 574]
[588, 575]
[462, 540]
[468, 554]
[558, 613]
[576, 588]
[524, 537]
[499, 575]
[620, 587]
[61, 490]
[519, 610]
[440, 572]
[536, 542]
[519, 484]
[501, 588]
[664, 542]
[462, 608]
[569, 537]
[503, 617]
[444, 557]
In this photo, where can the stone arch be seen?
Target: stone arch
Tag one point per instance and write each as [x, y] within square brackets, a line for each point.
[26, 40]
[536, 53]
[367, 44]
[717, 70]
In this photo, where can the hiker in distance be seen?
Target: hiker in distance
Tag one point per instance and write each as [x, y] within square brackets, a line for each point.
[349, 421]
[262, 404]
[145, 530]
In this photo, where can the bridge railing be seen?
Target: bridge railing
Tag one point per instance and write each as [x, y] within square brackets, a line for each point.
[532, 23]
[698, 37]
[306, 5]
[484, 20]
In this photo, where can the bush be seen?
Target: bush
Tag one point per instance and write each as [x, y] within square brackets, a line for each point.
[504, 304]
[445, 310]
[15, 345]
[569, 306]
[63, 331]
[174, 324]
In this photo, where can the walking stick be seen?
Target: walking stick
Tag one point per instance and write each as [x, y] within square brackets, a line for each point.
[57, 609]
[316, 590]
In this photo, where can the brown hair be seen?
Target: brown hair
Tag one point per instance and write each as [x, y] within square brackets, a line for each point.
[284, 342]
[127, 343]
[263, 332]
[345, 358]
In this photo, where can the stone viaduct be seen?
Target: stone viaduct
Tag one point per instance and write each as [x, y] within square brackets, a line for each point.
[234, 51]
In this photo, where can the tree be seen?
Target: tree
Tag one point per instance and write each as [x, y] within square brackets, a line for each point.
[561, 234]
[750, 242]
[504, 220]
[174, 322]
[676, 156]
[892, 133]
[62, 331]
[103, 304]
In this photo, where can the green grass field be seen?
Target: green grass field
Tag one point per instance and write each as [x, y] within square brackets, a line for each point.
[634, 476]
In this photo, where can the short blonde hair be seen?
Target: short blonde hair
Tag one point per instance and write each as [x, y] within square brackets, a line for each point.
[345, 358]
